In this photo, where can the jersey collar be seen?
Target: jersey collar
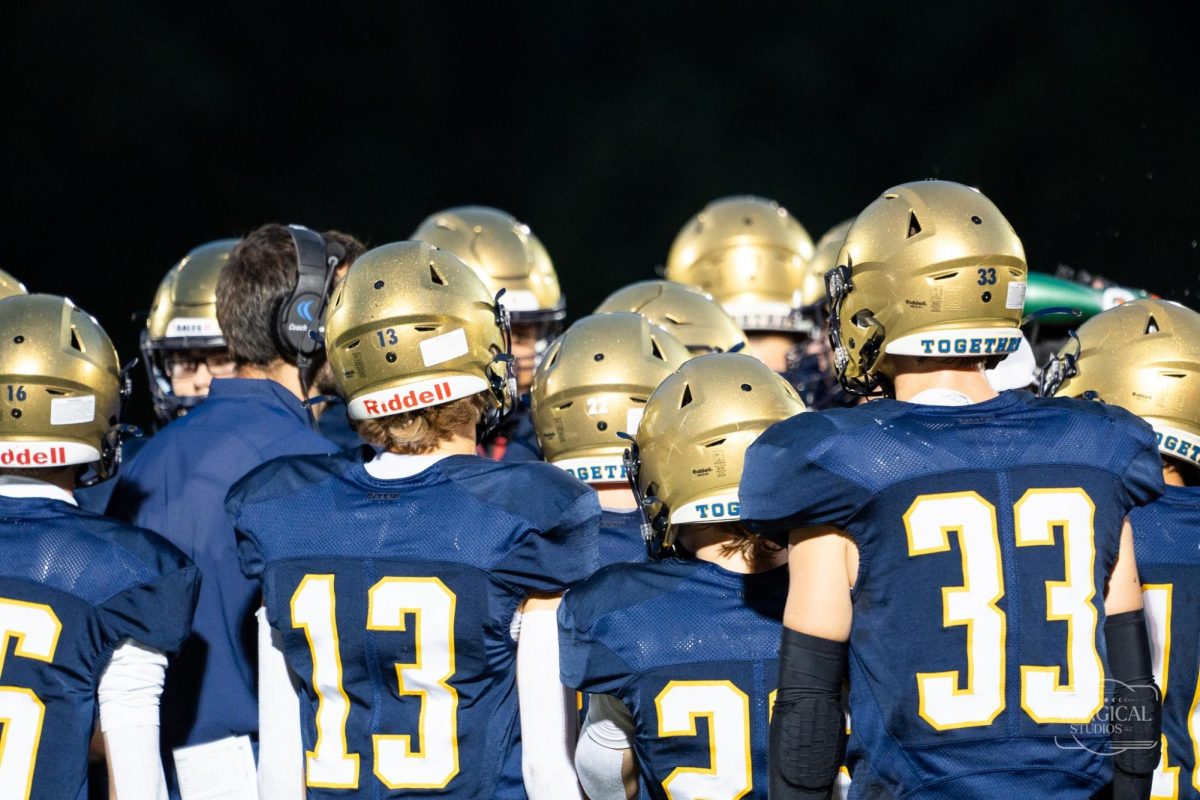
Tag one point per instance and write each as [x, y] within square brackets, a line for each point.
[21, 487]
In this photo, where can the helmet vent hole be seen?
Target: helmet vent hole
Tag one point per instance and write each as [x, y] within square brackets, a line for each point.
[945, 276]
[436, 276]
[687, 396]
[1176, 375]
[18, 340]
[1151, 326]
[425, 328]
[890, 196]
[354, 344]
[717, 443]
[601, 425]
[747, 387]
[378, 284]
[55, 392]
[976, 220]
[914, 224]
[655, 350]
[75, 343]
[672, 319]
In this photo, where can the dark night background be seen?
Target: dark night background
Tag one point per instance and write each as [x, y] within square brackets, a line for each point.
[133, 131]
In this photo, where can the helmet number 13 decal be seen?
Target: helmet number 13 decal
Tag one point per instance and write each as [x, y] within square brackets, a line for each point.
[424, 607]
[1041, 517]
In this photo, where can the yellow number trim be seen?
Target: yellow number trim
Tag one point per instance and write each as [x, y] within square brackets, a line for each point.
[691, 730]
[948, 592]
[23, 647]
[442, 682]
[1043, 536]
[327, 582]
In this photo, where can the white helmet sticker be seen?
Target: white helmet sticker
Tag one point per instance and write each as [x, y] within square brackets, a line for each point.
[418, 394]
[72, 410]
[46, 454]
[183, 327]
[720, 507]
[443, 348]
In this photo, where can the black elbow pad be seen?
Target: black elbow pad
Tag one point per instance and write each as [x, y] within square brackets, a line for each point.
[1137, 705]
[808, 726]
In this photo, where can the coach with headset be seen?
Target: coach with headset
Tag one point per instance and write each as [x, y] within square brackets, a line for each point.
[270, 298]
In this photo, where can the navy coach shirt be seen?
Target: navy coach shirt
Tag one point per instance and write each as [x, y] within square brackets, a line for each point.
[177, 487]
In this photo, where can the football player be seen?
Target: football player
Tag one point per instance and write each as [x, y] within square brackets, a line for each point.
[1145, 357]
[409, 587]
[506, 256]
[593, 385]
[10, 286]
[89, 607]
[182, 345]
[664, 643]
[687, 313]
[749, 254]
[976, 541]
[268, 299]
[182, 348]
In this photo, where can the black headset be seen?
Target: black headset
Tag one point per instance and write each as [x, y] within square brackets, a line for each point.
[298, 320]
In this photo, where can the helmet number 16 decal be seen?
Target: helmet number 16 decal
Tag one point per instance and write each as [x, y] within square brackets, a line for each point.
[1039, 517]
[391, 603]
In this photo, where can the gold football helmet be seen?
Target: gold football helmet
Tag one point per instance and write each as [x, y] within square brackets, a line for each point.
[10, 285]
[1145, 357]
[687, 458]
[928, 269]
[412, 326]
[689, 314]
[505, 255]
[183, 317]
[824, 259]
[594, 383]
[63, 387]
[749, 254]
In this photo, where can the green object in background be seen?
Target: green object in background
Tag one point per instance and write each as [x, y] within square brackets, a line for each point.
[1047, 291]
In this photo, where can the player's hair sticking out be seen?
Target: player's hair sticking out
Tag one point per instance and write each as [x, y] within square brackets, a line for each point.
[1188, 472]
[750, 546]
[416, 432]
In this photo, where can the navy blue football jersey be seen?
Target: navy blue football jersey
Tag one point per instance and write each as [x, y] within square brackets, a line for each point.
[73, 585]
[621, 537]
[692, 650]
[985, 535]
[1166, 541]
[395, 598]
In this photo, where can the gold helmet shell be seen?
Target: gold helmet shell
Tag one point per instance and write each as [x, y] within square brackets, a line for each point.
[692, 442]
[505, 255]
[687, 313]
[1145, 357]
[594, 383]
[10, 286]
[928, 269]
[824, 259]
[183, 317]
[412, 326]
[749, 254]
[64, 385]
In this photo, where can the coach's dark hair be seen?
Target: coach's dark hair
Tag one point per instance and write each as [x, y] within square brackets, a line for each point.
[260, 274]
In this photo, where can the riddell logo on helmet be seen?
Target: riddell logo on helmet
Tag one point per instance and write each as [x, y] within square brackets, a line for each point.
[409, 401]
[30, 457]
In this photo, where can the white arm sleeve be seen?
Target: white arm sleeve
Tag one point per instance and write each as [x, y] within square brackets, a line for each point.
[607, 734]
[128, 695]
[280, 745]
[548, 717]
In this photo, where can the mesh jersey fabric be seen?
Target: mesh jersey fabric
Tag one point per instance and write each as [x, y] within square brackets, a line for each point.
[667, 638]
[621, 537]
[863, 470]
[73, 585]
[176, 487]
[484, 533]
[1166, 541]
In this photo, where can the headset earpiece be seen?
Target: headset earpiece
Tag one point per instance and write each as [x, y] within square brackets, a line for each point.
[298, 321]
